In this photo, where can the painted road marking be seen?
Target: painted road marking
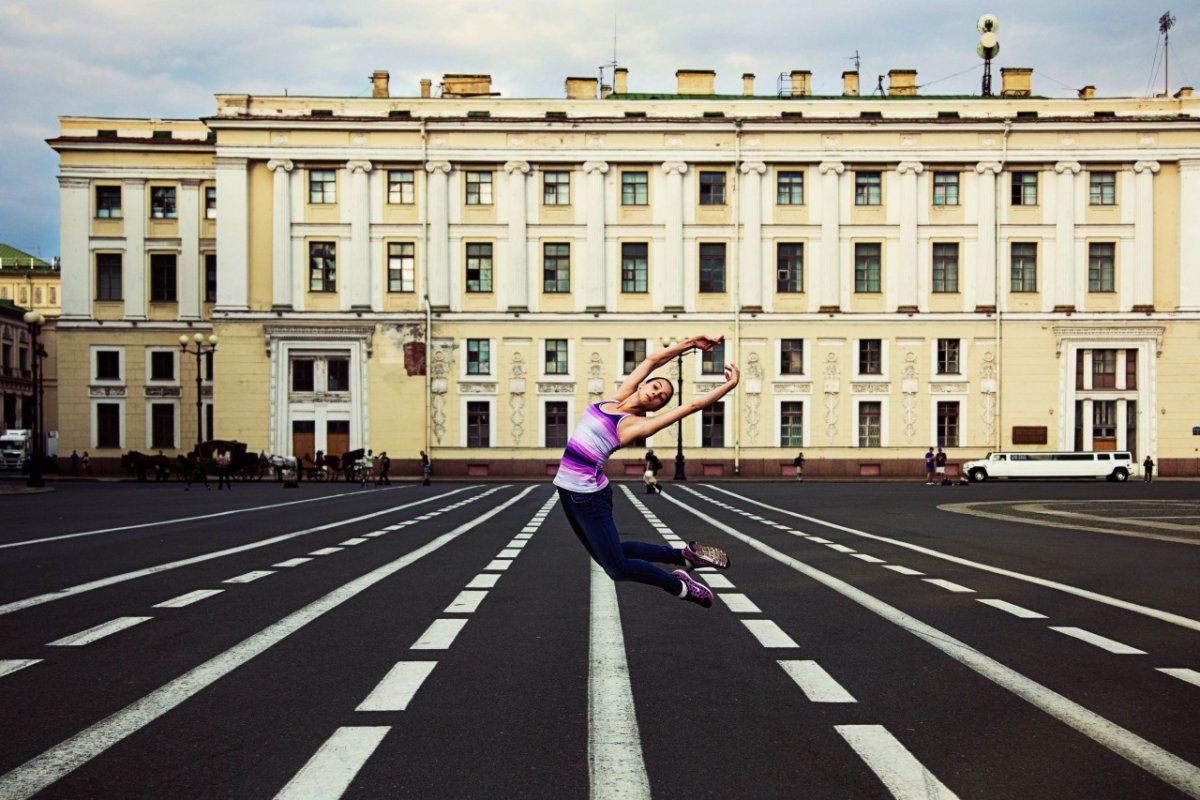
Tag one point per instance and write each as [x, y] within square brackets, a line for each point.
[398, 687]
[739, 603]
[250, 576]
[499, 565]
[11, 665]
[1102, 642]
[841, 548]
[716, 581]
[819, 540]
[507, 553]
[329, 772]
[768, 633]
[817, 684]
[352, 542]
[441, 634]
[98, 632]
[516, 544]
[483, 581]
[525, 536]
[1189, 675]
[1015, 610]
[189, 598]
[466, 602]
[949, 586]
[904, 776]
[867, 558]
[326, 551]
[903, 570]
[292, 562]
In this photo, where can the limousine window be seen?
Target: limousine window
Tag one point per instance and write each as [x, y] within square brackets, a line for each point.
[1103, 457]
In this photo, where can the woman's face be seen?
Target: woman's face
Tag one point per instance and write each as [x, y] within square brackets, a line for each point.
[655, 393]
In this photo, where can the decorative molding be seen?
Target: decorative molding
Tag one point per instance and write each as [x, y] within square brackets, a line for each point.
[754, 375]
[107, 391]
[704, 387]
[908, 388]
[476, 388]
[163, 391]
[949, 388]
[1075, 333]
[1064, 167]
[359, 166]
[595, 385]
[555, 388]
[871, 388]
[915, 167]
[229, 162]
[344, 333]
[516, 397]
[836, 167]
[987, 384]
[595, 166]
[276, 164]
[832, 386]
[517, 166]
[792, 388]
[1146, 166]
[674, 167]
[72, 182]
[438, 167]
[984, 167]
[757, 167]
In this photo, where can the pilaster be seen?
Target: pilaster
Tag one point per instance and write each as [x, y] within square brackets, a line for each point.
[516, 279]
[1067, 286]
[907, 287]
[1143, 236]
[78, 278]
[233, 235]
[357, 271]
[986, 244]
[133, 192]
[673, 279]
[281, 234]
[595, 289]
[438, 246]
[189, 282]
[829, 273]
[750, 264]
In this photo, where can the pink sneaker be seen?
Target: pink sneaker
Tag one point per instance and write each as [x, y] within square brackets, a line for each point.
[695, 592]
[701, 555]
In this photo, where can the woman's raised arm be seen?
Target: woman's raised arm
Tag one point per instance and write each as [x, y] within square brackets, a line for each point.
[661, 357]
[632, 428]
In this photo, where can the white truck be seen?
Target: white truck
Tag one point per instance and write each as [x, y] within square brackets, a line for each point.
[15, 444]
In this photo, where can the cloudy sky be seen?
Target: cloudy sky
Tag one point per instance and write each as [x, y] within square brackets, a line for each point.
[166, 59]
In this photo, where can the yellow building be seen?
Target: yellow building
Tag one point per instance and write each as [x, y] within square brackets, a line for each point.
[891, 272]
[27, 283]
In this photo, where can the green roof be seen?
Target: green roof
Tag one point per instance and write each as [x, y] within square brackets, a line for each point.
[11, 257]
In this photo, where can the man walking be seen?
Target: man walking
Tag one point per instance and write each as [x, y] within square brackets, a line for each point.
[385, 464]
[426, 468]
[798, 463]
[1148, 469]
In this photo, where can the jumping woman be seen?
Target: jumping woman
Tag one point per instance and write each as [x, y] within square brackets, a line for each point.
[587, 497]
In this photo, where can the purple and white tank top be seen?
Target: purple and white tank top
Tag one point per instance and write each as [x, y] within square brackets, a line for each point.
[592, 442]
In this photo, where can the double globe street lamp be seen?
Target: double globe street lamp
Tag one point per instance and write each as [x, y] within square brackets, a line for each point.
[34, 320]
[201, 349]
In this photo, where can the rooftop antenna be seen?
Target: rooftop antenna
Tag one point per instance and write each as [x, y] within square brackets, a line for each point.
[989, 47]
[1165, 23]
[612, 64]
[857, 61]
[879, 86]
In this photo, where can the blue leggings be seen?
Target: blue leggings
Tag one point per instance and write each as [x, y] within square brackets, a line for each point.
[591, 518]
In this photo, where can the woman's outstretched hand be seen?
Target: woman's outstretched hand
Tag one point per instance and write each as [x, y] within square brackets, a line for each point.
[705, 342]
[732, 374]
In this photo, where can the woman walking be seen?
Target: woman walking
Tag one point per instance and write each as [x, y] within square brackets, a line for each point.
[586, 495]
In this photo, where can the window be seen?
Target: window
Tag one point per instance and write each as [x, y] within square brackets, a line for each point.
[1102, 188]
[556, 267]
[556, 357]
[947, 357]
[712, 360]
[479, 267]
[789, 189]
[633, 353]
[162, 366]
[322, 187]
[870, 356]
[947, 424]
[866, 268]
[791, 424]
[868, 188]
[210, 202]
[303, 379]
[322, 266]
[789, 267]
[556, 423]
[1104, 420]
[108, 425]
[108, 276]
[162, 202]
[635, 188]
[209, 360]
[478, 425]
[712, 188]
[401, 267]
[210, 277]
[791, 357]
[1024, 188]
[162, 278]
[712, 267]
[162, 425]
[337, 375]
[556, 188]
[870, 423]
[1024, 266]
[400, 187]
[108, 365]
[1104, 369]
[1131, 369]
[634, 267]
[1101, 267]
[712, 425]
[479, 359]
[479, 188]
[945, 267]
[108, 202]
[945, 188]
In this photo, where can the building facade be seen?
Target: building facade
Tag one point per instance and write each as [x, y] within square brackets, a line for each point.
[464, 273]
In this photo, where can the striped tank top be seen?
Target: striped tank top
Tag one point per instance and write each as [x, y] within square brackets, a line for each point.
[592, 442]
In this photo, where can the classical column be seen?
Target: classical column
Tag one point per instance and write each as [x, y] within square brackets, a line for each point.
[78, 278]
[1143, 237]
[189, 253]
[438, 246]
[985, 237]
[595, 290]
[1065, 278]
[674, 281]
[516, 280]
[134, 263]
[907, 295]
[233, 234]
[358, 271]
[829, 271]
[750, 264]
[1189, 235]
[281, 235]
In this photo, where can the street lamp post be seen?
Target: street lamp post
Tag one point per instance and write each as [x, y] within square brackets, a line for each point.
[200, 350]
[34, 320]
[680, 472]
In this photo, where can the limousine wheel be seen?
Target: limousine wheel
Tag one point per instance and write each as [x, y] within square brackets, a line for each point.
[978, 475]
[1120, 474]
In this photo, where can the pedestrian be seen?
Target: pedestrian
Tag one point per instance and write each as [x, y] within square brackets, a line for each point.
[192, 470]
[368, 469]
[650, 476]
[223, 463]
[1148, 469]
[929, 458]
[426, 468]
[385, 464]
[75, 463]
[798, 463]
[586, 494]
[87, 464]
[939, 464]
[162, 467]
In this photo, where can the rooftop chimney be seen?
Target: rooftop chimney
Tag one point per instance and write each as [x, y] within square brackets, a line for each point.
[582, 88]
[801, 83]
[696, 81]
[850, 83]
[748, 84]
[466, 85]
[1087, 93]
[605, 91]
[621, 80]
[426, 87]
[379, 83]
[902, 83]
[1016, 81]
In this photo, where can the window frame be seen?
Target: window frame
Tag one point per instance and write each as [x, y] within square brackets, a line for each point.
[157, 355]
[947, 282]
[1028, 267]
[635, 187]
[556, 268]
[479, 365]
[105, 208]
[556, 192]
[948, 425]
[95, 376]
[862, 439]
[789, 187]
[164, 203]
[325, 263]
[478, 187]
[948, 357]
[209, 261]
[1102, 268]
[489, 409]
[710, 189]
[475, 259]
[635, 279]
[949, 194]
[563, 414]
[868, 188]
[792, 353]
[783, 414]
[153, 424]
[401, 267]
[322, 187]
[1023, 187]
[862, 357]
[712, 361]
[1102, 187]
[866, 273]
[557, 353]
[712, 268]
[117, 270]
[628, 365]
[712, 421]
[210, 202]
[401, 192]
[163, 284]
[794, 266]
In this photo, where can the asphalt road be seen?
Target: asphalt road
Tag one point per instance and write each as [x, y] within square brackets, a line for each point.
[454, 641]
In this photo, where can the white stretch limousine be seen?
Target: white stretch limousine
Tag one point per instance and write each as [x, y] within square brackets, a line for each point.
[1116, 466]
